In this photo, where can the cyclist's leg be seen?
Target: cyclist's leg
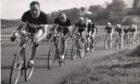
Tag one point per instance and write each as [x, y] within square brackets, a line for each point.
[64, 42]
[88, 40]
[83, 36]
[110, 43]
[125, 39]
[93, 39]
[122, 41]
[34, 47]
[108, 40]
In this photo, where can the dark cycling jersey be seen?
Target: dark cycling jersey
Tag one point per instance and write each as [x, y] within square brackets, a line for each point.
[109, 29]
[81, 27]
[126, 30]
[91, 27]
[119, 30]
[42, 19]
[132, 29]
[65, 25]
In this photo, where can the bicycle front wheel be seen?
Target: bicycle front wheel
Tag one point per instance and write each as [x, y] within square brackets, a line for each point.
[16, 68]
[28, 69]
[51, 56]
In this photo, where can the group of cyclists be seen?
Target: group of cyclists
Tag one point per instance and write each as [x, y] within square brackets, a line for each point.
[121, 35]
[36, 21]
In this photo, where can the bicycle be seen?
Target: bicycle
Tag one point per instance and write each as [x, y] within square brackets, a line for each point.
[108, 41]
[78, 46]
[21, 58]
[118, 41]
[55, 49]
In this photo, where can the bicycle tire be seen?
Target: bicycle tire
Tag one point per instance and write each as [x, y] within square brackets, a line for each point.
[28, 70]
[51, 56]
[16, 68]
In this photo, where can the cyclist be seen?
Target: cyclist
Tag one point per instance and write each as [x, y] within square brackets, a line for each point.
[80, 28]
[126, 35]
[119, 36]
[87, 33]
[33, 21]
[92, 31]
[62, 24]
[108, 35]
[133, 34]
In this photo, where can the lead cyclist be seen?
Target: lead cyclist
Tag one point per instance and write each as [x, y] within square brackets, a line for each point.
[33, 21]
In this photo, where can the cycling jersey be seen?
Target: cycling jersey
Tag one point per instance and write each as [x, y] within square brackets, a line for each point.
[132, 29]
[42, 19]
[118, 30]
[91, 27]
[81, 27]
[126, 30]
[65, 25]
[109, 29]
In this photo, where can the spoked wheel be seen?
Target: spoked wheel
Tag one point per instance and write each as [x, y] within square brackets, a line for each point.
[28, 69]
[16, 68]
[52, 56]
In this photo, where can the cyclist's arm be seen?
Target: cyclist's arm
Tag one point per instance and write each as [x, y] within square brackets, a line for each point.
[44, 28]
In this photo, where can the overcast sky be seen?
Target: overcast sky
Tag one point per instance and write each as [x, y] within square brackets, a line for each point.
[13, 9]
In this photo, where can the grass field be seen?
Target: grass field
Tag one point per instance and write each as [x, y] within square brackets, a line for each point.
[119, 68]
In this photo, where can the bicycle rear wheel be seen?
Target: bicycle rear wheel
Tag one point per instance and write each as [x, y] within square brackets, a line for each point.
[28, 70]
[51, 55]
[16, 68]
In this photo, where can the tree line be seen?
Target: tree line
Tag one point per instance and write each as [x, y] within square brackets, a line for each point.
[113, 12]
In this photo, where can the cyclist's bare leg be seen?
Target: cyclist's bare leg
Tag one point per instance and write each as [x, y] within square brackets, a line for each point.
[89, 41]
[122, 42]
[93, 40]
[64, 45]
[34, 47]
[110, 43]
[83, 36]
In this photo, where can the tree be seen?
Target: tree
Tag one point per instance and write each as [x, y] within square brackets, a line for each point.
[115, 11]
[136, 7]
[136, 4]
[116, 7]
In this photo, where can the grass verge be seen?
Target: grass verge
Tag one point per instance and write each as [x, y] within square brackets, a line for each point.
[122, 67]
